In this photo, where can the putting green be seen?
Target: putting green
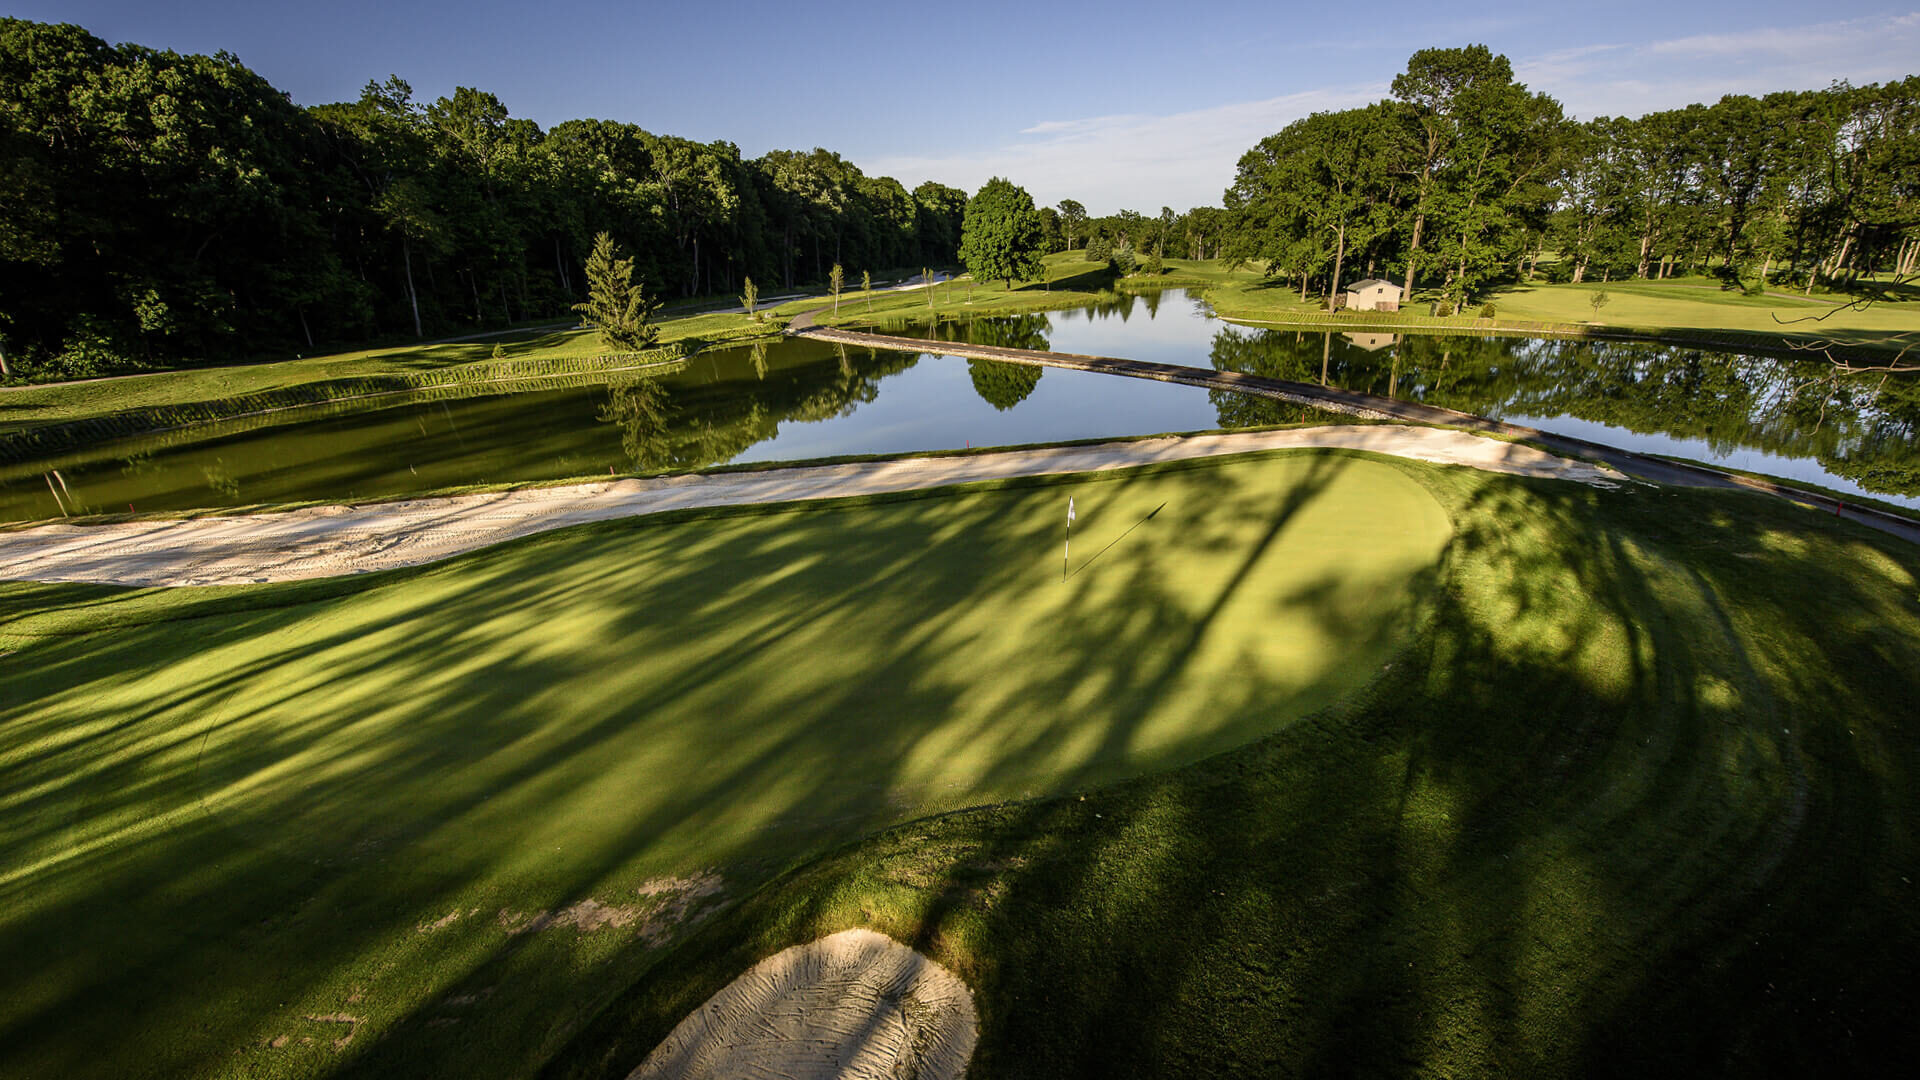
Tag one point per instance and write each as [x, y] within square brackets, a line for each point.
[574, 715]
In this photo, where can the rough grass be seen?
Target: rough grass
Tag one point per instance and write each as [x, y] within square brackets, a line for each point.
[459, 807]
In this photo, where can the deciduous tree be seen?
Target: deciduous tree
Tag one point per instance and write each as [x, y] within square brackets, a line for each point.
[1001, 237]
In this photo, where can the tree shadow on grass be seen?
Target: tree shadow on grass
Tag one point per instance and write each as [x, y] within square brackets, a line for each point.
[1634, 804]
[227, 825]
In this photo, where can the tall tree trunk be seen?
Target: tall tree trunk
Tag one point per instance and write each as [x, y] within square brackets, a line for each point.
[1413, 254]
[1840, 258]
[1326, 354]
[560, 264]
[1646, 245]
[303, 329]
[1339, 254]
[406, 254]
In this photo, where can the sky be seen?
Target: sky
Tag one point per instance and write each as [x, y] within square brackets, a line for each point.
[1116, 104]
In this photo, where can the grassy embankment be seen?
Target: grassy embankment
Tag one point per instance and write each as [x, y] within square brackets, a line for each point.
[535, 352]
[1684, 309]
[1529, 778]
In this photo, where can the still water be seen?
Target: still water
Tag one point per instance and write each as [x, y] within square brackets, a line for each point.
[793, 400]
[1798, 417]
[798, 399]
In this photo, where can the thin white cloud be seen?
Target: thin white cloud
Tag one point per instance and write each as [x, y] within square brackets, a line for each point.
[1633, 79]
[1133, 162]
[1796, 41]
[1141, 162]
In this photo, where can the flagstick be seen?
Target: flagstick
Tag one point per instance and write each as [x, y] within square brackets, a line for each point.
[1068, 550]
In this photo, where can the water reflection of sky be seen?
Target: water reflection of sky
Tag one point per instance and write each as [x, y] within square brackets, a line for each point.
[1805, 470]
[1183, 332]
[801, 399]
[933, 406]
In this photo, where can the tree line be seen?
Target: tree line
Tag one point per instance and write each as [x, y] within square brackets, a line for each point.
[158, 208]
[1464, 178]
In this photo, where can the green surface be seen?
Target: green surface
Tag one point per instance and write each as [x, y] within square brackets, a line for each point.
[1640, 802]
[235, 816]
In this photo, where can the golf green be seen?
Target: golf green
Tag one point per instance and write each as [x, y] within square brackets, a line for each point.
[293, 797]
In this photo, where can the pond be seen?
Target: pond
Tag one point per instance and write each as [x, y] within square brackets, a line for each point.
[800, 399]
[1798, 417]
[791, 400]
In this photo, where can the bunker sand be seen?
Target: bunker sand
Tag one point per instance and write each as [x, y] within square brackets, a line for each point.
[855, 1005]
[330, 541]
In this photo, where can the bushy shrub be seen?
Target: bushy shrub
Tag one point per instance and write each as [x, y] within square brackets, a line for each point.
[1123, 258]
[1099, 250]
[1151, 265]
[90, 349]
[1442, 309]
[1486, 310]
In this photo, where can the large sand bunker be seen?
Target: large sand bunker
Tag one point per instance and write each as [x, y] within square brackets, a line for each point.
[851, 1006]
[329, 540]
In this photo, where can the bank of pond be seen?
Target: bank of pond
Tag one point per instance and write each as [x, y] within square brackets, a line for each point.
[1800, 417]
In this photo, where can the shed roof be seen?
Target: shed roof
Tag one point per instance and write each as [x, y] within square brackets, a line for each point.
[1370, 283]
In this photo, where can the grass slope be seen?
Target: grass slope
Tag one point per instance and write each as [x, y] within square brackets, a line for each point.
[1688, 307]
[239, 826]
[1640, 802]
[26, 407]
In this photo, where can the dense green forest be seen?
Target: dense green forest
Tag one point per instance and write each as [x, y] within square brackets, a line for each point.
[157, 208]
[1465, 178]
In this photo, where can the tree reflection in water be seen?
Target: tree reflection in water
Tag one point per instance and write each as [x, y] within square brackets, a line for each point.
[1861, 426]
[642, 411]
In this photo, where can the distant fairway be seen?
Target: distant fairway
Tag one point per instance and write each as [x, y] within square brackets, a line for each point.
[271, 801]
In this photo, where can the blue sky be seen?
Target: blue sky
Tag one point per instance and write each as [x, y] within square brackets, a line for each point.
[1117, 104]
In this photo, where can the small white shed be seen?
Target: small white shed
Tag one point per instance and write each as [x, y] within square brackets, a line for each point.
[1373, 294]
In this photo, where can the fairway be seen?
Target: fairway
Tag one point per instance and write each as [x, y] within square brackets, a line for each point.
[347, 804]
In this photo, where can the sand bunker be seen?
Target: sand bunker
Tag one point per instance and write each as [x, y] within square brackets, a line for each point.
[851, 1006]
[332, 540]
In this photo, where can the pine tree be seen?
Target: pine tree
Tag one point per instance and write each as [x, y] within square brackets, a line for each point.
[616, 305]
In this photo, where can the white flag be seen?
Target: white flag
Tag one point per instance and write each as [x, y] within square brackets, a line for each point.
[1069, 508]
